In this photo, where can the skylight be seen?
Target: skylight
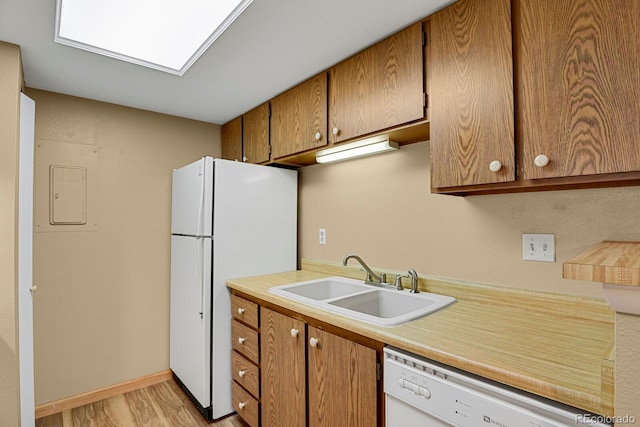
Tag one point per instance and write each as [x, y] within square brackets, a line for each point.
[167, 35]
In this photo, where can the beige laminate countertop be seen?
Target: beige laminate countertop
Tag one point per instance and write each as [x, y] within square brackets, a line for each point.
[556, 346]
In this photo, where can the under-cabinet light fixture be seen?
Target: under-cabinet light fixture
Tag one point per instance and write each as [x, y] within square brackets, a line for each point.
[351, 150]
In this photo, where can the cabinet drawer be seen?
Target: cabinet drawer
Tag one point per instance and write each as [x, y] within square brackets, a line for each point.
[245, 311]
[245, 373]
[244, 340]
[245, 405]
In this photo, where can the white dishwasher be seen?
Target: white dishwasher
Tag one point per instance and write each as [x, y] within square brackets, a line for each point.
[420, 392]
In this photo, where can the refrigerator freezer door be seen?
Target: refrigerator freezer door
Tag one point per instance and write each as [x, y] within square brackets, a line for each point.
[192, 199]
[190, 331]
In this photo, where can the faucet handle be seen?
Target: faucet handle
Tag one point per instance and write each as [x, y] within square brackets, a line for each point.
[369, 278]
[398, 284]
[383, 276]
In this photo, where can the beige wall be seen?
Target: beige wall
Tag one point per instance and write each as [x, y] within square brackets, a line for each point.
[10, 84]
[381, 208]
[102, 308]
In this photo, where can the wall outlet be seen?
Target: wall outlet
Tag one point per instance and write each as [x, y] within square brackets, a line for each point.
[539, 247]
[322, 236]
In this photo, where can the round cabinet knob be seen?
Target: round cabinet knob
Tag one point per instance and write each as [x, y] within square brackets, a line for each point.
[241, 373]
[33, 288]
[495, 166]
[541, 161]
[244, 159]
[317, 136]
[240, 310]
[335, 131]
[241, 405]
[241, 340]
[313, 342]
[294, 332]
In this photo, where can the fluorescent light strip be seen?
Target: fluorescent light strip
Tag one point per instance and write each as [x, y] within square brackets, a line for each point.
[352, 150]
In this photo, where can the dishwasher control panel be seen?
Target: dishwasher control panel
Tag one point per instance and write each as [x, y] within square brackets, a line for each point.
[457, 398]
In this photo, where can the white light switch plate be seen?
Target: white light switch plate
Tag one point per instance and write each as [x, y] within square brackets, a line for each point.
[539, 247]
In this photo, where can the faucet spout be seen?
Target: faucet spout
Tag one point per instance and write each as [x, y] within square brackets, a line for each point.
[372, 278]
[414, 281]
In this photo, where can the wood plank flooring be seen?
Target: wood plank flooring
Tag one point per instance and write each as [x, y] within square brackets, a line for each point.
[159, 405]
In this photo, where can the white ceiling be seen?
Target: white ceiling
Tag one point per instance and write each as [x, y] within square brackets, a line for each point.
[272, 46]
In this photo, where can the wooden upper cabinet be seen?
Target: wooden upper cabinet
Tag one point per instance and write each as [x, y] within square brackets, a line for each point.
[470, 88]
[255, 134]
[342, 381]
[379, 88]
[579, 89]
[299, 118]
[232, 140]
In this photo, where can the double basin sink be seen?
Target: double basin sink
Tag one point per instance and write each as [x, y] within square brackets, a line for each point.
[355, 299]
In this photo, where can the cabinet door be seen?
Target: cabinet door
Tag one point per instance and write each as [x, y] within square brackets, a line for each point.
[282, 370]
[299, 118]
[471, 94]
[342, 381]
[232, 140]
[379, 88]
[255, 135]
[579, 88]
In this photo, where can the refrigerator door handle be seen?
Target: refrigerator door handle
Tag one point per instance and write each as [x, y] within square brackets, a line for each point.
[200, 230]
[200, 262]
[200, 225]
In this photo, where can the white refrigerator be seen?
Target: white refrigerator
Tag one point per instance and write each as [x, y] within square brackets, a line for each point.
[228, 219]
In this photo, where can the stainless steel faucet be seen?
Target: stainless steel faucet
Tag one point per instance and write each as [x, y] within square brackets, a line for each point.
[381, 280]
[372, 278]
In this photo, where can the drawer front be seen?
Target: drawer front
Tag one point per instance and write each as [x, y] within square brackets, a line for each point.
[246, 374]
[244, 310]
[245, 405]
[244, 340]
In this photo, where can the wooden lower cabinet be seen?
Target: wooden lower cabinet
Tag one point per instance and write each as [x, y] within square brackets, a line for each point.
[342, 381]
[246, 405]
[307, 375]
[245, 360]
[283, 370]
[245, 374]
[245, 341]
[340, 376]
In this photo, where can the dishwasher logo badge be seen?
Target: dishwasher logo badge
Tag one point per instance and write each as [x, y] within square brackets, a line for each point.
[487, 419]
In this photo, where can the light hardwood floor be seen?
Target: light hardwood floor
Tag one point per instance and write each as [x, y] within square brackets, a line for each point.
[162, 405]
